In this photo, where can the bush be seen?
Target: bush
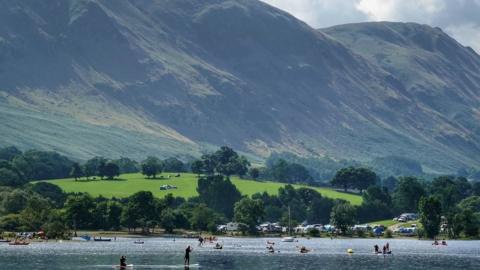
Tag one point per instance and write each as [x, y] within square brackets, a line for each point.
[314, 233]
[360, 233]
[420, 233]
[388, 233]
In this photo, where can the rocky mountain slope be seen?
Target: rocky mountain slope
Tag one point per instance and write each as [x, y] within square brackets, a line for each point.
[175, 77]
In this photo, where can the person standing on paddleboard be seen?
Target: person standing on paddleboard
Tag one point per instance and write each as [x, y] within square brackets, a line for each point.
[187, 255]
[123, 262]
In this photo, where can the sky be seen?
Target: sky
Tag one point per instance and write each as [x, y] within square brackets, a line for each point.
[458, 18]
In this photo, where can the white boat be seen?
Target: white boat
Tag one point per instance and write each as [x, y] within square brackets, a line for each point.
[288, 239]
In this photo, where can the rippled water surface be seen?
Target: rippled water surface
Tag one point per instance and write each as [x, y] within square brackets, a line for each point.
[245, 253]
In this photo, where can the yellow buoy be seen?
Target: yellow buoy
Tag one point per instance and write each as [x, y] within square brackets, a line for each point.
[350, 250]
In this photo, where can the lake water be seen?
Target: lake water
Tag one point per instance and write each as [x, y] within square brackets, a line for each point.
[248, 253]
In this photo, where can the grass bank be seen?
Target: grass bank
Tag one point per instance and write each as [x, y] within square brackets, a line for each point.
[186, 184]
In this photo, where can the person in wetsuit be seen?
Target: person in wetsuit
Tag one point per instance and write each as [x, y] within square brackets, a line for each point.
[187, 255]
[123, 262]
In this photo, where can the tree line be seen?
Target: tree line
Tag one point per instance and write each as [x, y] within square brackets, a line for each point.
[447, 203]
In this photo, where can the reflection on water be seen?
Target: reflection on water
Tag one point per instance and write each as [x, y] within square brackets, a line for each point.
[245, 253]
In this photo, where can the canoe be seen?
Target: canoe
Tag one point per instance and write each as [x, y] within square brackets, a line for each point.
[18, 243]
[102, 239]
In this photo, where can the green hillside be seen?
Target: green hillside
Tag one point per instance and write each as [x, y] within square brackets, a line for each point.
[128, 184]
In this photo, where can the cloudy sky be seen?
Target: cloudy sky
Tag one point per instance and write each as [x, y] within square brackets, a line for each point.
[459, 18]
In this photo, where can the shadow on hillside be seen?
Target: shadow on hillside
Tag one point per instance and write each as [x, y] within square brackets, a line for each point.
[98, 180]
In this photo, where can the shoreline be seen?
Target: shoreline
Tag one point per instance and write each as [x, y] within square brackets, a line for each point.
[194, 235]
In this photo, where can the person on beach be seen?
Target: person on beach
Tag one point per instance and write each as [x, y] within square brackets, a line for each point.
[123, 262]
[200, 241]
[187, 255]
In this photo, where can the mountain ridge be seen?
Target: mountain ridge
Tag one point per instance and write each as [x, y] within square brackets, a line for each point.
[240, 73]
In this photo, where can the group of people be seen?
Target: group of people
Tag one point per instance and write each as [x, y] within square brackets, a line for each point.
[270, 247]
[436, 243]
[188, 250]
[385, 249]
[202, 240]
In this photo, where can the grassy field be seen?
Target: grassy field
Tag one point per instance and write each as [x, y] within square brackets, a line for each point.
[386, 223]
[127, 184]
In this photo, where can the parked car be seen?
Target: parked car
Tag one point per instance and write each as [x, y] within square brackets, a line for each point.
[167, 187]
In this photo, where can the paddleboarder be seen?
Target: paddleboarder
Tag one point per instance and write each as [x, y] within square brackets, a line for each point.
[187, 255]
[123, 262]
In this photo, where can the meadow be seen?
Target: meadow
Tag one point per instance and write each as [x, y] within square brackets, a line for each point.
[186, 184]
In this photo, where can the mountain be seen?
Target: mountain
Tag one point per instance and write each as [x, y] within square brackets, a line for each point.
[438, 75]
[178, 77]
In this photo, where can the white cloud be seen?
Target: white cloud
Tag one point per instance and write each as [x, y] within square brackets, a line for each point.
[459, 18]
[321, 13]
[468, 34]
[394, 10]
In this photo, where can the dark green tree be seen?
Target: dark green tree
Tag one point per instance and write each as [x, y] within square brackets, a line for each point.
[76, 171]
[390, 183]
[8, 177]
[470, 222]
[15, 201]
[140, 211]
[127, 165]
[36, 213]
[218, 193]
[197, 167]
[279, 171]
[111, 170]
[359, 178]
[114, 215]
[9, 153]
[151, 167]
[50, 191]
[376, 193]
[102, 169]
[249, 212]
[476, 189]
[173, 165]
[430, 210]
[254, 173]
[204, 218]
[407, 194]
[78, 211]
[343, 216]
[449, 190]
[168, 220]
[472, 203]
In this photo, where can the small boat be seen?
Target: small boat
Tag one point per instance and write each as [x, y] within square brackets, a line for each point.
[138, 242]
[288, 239]
[18, 243]
[102, 239]
[82, 238]
[4, 241]
[218, 246]
[350, 251]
